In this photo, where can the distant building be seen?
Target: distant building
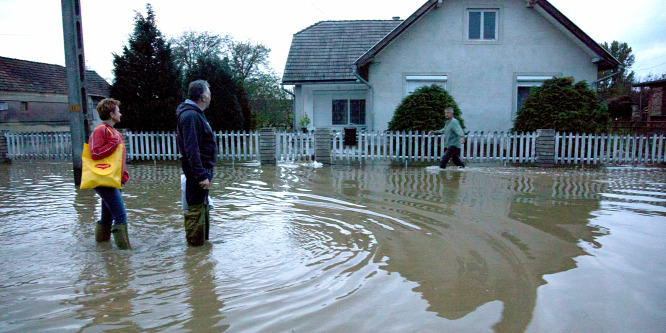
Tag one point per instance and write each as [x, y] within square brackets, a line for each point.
[653, 118]
[486, 54]
[656, 110]
[33, 96]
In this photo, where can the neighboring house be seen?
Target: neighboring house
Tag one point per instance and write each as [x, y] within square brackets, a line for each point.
[655, 120]
[486, 54]
[33, 96]
[656, 110]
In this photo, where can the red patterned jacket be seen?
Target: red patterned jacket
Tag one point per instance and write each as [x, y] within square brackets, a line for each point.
[103, 142]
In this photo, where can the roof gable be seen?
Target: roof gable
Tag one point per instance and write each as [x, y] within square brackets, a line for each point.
[605, 59]
[29, 76]
[326, 51]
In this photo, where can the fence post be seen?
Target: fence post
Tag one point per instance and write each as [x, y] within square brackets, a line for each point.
[545, 148]
[323, 145]
[267, 145]
[4, 148]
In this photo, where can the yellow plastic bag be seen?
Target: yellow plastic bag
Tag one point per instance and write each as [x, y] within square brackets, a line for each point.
[105, 172]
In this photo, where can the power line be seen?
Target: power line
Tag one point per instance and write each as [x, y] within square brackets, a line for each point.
[644, 69]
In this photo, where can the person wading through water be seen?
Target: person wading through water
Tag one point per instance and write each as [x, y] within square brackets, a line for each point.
[197, 146]
[453, 140]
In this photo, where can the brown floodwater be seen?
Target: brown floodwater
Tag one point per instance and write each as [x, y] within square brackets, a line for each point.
[296, 248]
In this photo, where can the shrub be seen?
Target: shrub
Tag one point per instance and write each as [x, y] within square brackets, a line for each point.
[564, 106]
[423, 110]
[620, 108]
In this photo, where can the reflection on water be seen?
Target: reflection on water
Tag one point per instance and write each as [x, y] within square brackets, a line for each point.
[347, 248]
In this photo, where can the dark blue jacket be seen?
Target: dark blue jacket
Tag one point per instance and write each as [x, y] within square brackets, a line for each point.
[196, 142]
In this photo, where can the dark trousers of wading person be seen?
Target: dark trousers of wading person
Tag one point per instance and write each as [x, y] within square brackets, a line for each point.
[197, 215]
[451, 153]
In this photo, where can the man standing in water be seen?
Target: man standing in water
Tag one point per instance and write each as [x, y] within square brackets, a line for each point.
[453, 140]
[198, 150]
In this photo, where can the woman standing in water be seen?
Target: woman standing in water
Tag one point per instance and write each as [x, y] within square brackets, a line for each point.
[104, 140]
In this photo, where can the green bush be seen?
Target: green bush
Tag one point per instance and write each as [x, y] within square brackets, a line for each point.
[620, 108]
[564, 106]
[423, 110]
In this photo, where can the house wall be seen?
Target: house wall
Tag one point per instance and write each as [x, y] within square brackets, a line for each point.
[316, 99]
[481, 77]
[656, 105]
[46, 112]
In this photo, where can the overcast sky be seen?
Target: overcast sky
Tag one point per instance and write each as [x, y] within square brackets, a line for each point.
[32, 29]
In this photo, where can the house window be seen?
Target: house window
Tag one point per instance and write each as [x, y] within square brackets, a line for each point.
[414, 82]
[4, 106]
[523, 93]
[482, 24]
[348, 112]
[525, 83]
[25, 106]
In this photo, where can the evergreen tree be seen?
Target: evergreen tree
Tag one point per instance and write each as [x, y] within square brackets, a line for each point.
[423, 110]
[147, 79]
[561, 105]
[227, 94]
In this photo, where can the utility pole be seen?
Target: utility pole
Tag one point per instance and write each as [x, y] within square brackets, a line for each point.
[79, 123]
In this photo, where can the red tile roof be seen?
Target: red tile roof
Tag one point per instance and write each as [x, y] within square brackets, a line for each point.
[29, 76]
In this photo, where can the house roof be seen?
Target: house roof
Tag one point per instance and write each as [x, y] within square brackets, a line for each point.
[29, 76]
[605, 59]
[326, 51]
[656, 83]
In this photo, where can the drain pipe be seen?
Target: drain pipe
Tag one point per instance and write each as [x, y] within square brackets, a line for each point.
[372, 95]
[361, 79]
[608, 76]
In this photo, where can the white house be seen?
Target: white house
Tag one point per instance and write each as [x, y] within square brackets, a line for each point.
[485, 53]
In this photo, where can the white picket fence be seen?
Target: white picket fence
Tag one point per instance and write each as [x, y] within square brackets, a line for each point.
[234, 145]
[609, 149]
[570, 148]
[294, 146]
[42, 145]
[414, 146]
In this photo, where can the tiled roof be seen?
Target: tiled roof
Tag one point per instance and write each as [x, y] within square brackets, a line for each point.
[326, 51]
[29, 76]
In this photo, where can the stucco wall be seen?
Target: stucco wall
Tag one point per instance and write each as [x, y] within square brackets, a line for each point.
[481, 77]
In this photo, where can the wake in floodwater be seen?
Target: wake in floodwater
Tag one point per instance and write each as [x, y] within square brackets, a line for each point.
[436, 168]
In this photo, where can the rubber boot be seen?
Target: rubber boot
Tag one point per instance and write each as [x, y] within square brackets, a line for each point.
[120, 236]
[102, 232]
[195, 224]
[207, 230]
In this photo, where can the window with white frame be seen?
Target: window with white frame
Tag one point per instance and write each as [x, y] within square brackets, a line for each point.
[525, 83]
[413, 82]
[482, 24]
[348, 112]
